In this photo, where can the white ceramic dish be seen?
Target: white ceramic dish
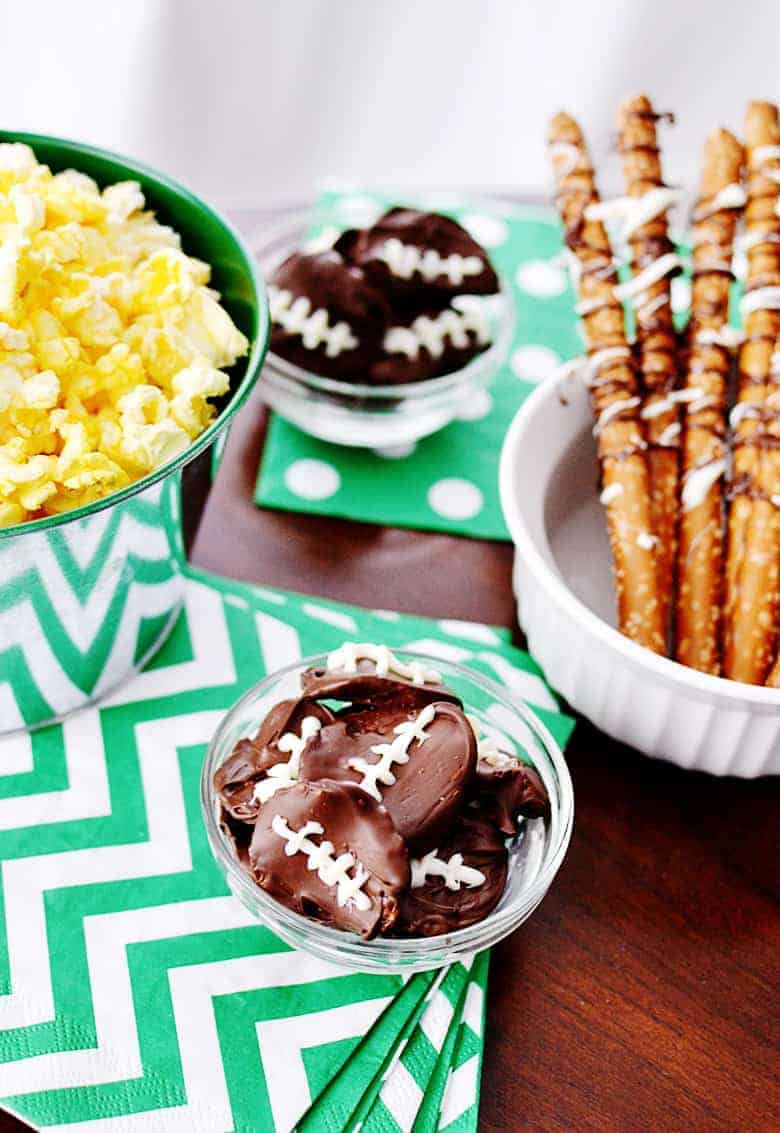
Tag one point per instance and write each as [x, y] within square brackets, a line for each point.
[563, 583]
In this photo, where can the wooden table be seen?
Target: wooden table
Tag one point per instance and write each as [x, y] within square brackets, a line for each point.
[642, 995]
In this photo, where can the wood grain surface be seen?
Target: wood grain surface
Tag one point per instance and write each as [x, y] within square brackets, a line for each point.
[643, 993]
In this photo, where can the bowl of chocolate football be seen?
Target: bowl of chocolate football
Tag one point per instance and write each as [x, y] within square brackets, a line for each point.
[386, 810]
[381, 333]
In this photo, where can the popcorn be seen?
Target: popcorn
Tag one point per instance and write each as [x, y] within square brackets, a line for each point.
[112, 344]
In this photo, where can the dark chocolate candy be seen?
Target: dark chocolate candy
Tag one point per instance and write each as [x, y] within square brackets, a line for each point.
[423, 794]
[365, 687]
[235, 780]
[509, 790]
[355, 824]
[345, 293]
[402, 269]
[433, 908]
[432, 343]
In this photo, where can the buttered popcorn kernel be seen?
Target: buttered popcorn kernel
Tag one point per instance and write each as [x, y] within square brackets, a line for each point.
[111, 340]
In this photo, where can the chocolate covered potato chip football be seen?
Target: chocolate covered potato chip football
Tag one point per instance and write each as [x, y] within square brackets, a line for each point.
[325, 315]
[330, 851]
[419, 763]
[508, 789]
[433, 343]
[458, 883]
[272, 756]
[420, 259]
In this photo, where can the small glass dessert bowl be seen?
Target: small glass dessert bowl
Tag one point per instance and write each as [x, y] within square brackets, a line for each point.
[534, 851]
[363, 414]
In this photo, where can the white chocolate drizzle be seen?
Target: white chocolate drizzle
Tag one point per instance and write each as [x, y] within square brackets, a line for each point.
[404, 260]
[754, 239]
[762, 299]
[285, 774]
[699, 481]
[644, 310]
[333, 872]
[668, 437]
[665, 264]
[396, 752]
[429, 333]
[741, 411]
[730, 197]
[296, 316]
[762, 154]
[610, 493]
[454, 872]
[346, 657]
[612, 411]
[634, 212]
[646, 541]
[726, 336]
[572, 155]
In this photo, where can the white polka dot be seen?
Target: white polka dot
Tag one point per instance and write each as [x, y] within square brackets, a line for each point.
[478, 406]
[544, 278]
[312, 479]
[455, 499]
[534, 363]
[488, 230]
[440, 201]
[681, 294]
[396, 452]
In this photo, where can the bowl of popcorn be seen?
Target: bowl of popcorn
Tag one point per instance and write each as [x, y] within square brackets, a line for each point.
[386, 810]
[133, 325]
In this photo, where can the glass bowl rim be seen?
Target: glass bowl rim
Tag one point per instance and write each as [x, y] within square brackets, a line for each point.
[394, 949]
[495, 351]
[252, 363]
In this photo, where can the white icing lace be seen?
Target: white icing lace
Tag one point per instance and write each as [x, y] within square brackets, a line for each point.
[285, 774]
[396, 752]
[331, 871]
[405, 259]
[296, 317]
[346, 657]
[698, 483]
[454, 872]
[429, 333]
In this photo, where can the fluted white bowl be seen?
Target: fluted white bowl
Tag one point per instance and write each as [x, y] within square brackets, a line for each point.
[563, 583]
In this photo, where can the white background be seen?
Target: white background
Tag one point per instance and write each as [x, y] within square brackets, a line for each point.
[254, 102]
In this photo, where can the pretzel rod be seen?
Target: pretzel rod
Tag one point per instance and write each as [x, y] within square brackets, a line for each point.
[655, 334]
[613, 390]
[752, 566]
[773, 680]
[701, 547]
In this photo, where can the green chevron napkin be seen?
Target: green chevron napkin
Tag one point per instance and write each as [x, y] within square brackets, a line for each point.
[447, 482]
[135, 992]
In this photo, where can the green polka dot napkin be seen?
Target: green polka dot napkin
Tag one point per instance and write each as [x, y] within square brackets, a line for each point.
[447, 482]
[136, 993]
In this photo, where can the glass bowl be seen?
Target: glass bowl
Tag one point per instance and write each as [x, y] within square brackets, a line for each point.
[535, 853]
[357, 414]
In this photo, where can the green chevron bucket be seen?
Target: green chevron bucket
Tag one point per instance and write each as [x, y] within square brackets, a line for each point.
[87, 597]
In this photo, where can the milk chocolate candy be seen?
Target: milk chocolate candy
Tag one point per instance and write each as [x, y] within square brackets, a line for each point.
[236, 779]
[420, 259]
[508, 790]
[330, 852]
[452, 896]
[326, 316]
[418, 761]
[364, 686]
